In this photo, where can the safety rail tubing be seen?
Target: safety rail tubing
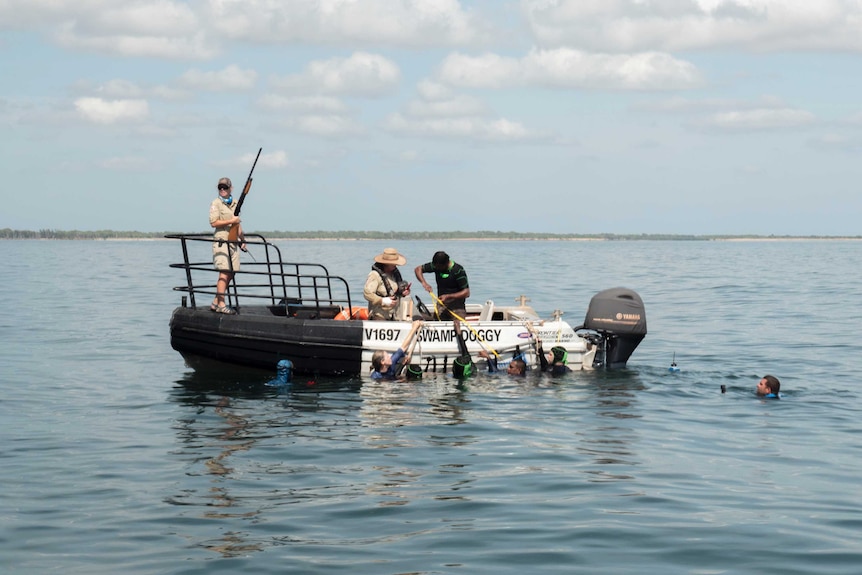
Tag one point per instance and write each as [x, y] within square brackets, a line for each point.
[310, 288]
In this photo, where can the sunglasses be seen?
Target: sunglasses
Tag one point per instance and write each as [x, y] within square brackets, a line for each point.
[224, 186]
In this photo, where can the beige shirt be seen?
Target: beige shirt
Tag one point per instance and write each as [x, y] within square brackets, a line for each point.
[375, 291]
[221, 211]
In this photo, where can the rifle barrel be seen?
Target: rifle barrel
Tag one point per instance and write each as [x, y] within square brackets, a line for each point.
[233, 234]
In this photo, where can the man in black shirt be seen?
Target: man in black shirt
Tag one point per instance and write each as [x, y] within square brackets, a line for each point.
[452, 286]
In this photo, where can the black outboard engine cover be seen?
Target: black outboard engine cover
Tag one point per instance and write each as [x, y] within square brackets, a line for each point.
[617, 314]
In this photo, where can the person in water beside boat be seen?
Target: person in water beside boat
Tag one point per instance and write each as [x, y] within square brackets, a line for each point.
[385, 365]
[555, 361]
[768, 387]
[225, 256]
[387, 294]
[514, 366]
[453, 289]
[463, 366]
[284, 373]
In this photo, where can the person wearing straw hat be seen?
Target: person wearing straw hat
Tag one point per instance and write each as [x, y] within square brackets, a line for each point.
[384, 289]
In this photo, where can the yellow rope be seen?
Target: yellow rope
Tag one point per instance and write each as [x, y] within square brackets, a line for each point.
[464, 321]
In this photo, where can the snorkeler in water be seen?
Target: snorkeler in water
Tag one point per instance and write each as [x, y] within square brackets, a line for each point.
[768, 387]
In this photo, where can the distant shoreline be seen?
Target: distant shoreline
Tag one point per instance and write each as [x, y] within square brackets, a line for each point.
[352, 235]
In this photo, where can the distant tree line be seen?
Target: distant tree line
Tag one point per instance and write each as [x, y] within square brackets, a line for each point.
[48, 234]
[9, 234]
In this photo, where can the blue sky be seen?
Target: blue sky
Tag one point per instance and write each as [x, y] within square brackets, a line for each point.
[566, 116]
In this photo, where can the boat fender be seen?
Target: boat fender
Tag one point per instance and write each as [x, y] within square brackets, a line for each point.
[352, 313]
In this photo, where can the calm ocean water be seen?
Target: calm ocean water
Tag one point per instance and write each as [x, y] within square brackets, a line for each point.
[117, 458]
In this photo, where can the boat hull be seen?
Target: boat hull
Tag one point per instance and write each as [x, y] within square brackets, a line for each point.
[301, 312]
[258, 338]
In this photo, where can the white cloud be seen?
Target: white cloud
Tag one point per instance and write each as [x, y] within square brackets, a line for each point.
[681, 105]
[571, 69]
[430, 90]
[322, 125]
[277, 159]
[315, 110]
[140, 18]
[438, 100]
[468, 128]
[439, 111]
[458, 106]
[760, 119]
[403, 23]
[167, 93]
[144, 28]
[361, 74]
[270, 160]
[119, 89]
[194, 47]
[103, 111]
[670, 25]
[229, 79]
[126, 89]
[174, 29]
[302, 104]
[764, 113]
[835, 142]
[832, 139]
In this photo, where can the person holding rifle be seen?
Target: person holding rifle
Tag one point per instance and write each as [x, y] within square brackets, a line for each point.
[225, 254]
[228, 236]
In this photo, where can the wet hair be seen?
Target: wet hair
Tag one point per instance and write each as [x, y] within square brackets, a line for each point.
[440, 259]
[772, 383]
[377, 360]
[520, 365]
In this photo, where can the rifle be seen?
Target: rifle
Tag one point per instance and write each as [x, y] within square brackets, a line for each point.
[234, 230]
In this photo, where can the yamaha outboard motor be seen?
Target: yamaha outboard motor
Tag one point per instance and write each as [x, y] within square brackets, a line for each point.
[617, 315]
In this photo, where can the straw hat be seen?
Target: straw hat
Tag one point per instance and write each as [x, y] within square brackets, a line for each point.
[390, 256]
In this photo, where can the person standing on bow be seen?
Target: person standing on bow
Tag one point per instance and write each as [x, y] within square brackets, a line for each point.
[225, 256]
[384, 289]
[453, 289]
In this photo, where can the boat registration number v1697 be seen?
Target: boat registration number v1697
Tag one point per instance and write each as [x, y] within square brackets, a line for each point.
[382, 334]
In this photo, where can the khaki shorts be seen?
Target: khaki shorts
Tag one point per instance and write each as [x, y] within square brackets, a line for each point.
[220, 256]
[446, 314]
